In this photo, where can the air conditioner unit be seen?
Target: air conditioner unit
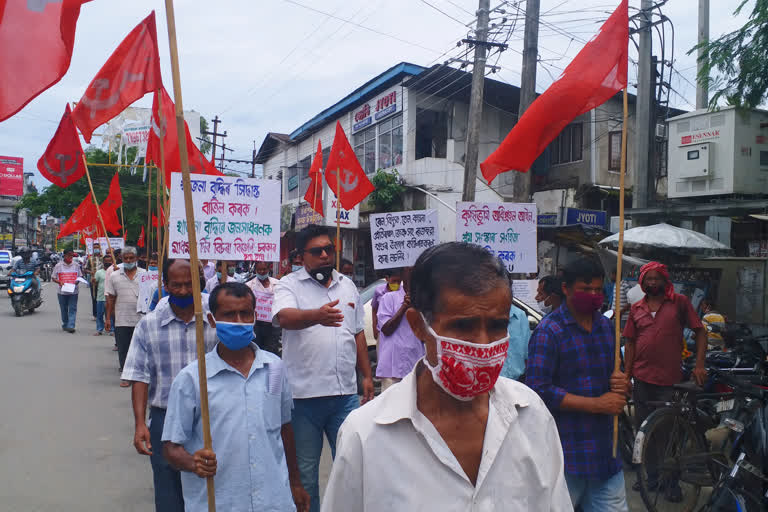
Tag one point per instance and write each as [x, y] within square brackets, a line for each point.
[661, 131]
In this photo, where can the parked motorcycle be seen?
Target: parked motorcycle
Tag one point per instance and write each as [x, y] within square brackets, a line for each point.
[24, 295]
[46, 271]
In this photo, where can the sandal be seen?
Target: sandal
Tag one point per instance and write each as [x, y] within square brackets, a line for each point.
[125, 384]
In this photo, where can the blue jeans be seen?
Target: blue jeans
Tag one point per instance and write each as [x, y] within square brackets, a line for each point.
[168, 495]
[595, 495]
[68, 306]
[312, 417]
[101, 307]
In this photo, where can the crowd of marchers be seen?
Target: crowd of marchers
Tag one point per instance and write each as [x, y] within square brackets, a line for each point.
[476, 412]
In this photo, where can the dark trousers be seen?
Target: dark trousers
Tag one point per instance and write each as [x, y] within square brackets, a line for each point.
[123, 337]
[168, 495]
[642, 393]
[267, 337]
[93, 301]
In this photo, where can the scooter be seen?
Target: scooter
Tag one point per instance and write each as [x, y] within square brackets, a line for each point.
[24, 297]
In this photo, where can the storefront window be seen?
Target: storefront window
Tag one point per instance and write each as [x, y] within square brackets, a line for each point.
[304, 166]
[391, 142]
[365, 149]
[293, 182]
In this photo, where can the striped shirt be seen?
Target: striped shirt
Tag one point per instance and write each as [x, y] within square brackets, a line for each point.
[161, 346]
[126, 293]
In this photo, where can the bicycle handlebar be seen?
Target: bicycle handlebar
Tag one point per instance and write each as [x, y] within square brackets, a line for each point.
[745, 388]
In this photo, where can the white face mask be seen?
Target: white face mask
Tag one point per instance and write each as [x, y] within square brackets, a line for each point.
[544, 308]
[465, 370]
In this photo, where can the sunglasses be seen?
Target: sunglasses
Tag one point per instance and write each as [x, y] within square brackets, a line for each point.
[318, 251]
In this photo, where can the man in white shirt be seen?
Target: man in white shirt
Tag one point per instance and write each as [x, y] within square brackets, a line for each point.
[323, 341]
[263, 288]
[452, 436]
[215, 281]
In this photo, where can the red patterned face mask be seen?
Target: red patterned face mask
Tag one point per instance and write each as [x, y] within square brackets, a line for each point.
[465, 370]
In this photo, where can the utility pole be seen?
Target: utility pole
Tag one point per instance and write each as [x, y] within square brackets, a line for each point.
[702, 89]
[223, 155]
[476, 102]
[215, 133]
[523, 181]
[643, 114]
[253, 161]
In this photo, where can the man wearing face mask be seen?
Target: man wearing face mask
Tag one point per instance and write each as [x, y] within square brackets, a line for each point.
[323, 324]
[65, 274]
[217, 279]
[393, 283]
[267, 335]
[122, 288]
[253, 456]
[452, 435]
[570, 366]
[163, 343]
[549, 294]
[653, 356]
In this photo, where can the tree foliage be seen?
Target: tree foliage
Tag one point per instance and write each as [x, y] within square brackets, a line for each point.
[388, 193]
[205, 145]
[740, 59]
[61, 202]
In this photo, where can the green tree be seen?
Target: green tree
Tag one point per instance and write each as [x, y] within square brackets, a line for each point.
[388, 193]
[205, 145]
[61, 202]
[740, 59]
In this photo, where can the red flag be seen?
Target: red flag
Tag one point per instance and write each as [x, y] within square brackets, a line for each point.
[140, 241]
[355, 185]
[81, 218]
[36, 40]
[314, 195]
[162, 218]
[62, 162]
[164, 128]
[110, 206]
[597, 73]
[132, 71]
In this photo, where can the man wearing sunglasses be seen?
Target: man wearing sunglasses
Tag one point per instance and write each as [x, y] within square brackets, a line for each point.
[323, 341]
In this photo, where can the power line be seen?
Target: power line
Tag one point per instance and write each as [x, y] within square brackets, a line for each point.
[443, 13]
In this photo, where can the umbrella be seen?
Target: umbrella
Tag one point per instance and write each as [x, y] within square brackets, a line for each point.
[664, 236]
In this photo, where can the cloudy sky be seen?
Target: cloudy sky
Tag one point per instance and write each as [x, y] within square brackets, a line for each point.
[270, 65]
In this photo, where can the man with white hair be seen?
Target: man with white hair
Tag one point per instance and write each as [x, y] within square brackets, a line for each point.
[123, 289]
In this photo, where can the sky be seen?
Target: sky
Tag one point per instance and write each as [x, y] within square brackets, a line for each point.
[271, 65]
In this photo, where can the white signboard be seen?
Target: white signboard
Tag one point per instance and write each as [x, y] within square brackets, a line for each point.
[147, 287]
[264, 306]
[525, 290]
[115, 243]
[506, 230]
[399, 238]
[235, 218]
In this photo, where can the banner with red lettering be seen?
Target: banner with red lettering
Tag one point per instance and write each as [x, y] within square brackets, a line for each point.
[11, 176]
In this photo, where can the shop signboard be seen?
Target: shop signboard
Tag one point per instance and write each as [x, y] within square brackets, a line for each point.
[506, 230]
[380, 107]
[115, 243]
[547, 219]
[236, 219]
[596, 218]
[399, 238]
[11, 176]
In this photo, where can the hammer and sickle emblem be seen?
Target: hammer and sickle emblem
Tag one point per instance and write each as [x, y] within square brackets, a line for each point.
[39, 5]
[159, 129]
[63, 171]
[102, 84]
[348, 181]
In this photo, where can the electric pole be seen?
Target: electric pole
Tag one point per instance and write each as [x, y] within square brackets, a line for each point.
[215, 133]
[643, 114]
[223, 155]
[702, 88]
[476, 102]
[253, 161]
[523, 181]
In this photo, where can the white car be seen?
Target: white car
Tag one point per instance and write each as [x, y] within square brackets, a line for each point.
[6, 265]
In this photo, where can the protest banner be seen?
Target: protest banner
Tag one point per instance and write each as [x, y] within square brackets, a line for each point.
[147, 287]
[264, 306]
[238, 218]
[525, 290]
[114, 242]
[506, 230]
[399, 238]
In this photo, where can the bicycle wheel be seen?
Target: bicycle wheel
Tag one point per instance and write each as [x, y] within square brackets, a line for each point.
[725, 499]
[673, 462]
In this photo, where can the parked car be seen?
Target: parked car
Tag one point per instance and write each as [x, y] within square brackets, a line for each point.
[6, 265]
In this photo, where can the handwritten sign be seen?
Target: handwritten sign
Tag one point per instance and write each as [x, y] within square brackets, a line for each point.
[506, 230]
[525, 290]
[264, 306]
[115, 243]
[399, 238]
[235, 218]
[147, 287]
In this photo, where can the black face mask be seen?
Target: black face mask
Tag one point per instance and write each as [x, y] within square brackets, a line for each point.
[322, 274]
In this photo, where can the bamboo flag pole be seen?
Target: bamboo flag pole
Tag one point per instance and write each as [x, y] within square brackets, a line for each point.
[620, 257]
[161, 176]
[149, 211]
[98, 210]
[192, 235]
[338, 219]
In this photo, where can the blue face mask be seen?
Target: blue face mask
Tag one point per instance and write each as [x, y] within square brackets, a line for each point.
[152, 269]
[296, 268]
[264, 277]
[129, 266]
[181, 301]
[218, 276]
[234, 335]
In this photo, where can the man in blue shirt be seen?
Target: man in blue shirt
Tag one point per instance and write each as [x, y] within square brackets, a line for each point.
[570, 365]
[519, 330]
[254, 453]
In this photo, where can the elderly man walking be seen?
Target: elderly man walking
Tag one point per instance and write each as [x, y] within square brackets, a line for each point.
[452, 436]
[122, 291]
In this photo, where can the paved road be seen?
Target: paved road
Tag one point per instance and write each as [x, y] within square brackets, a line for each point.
[66, 429]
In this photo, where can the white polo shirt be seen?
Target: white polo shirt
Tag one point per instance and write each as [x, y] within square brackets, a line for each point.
[320, 361]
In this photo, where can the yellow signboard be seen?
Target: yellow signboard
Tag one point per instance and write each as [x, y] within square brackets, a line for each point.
[6, 236]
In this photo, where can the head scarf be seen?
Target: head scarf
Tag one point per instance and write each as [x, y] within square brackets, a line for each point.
[669, 289]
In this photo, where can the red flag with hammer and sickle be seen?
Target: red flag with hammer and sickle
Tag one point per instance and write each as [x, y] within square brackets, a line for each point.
[314, 195]
[82, 217]
[62, 162]
[132, 71]
[36, 40]
[164, 132]
[354, 184]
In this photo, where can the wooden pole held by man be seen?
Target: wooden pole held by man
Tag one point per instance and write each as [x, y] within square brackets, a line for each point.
[338, 219]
